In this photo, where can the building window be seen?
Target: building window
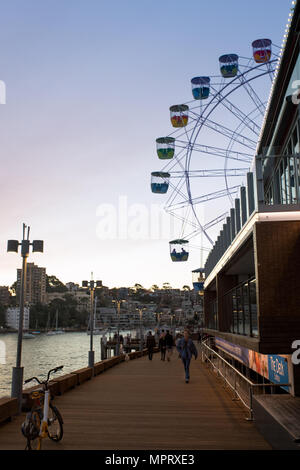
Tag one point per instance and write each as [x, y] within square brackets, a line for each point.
[284, 186]
[212, 317]
[242, 308]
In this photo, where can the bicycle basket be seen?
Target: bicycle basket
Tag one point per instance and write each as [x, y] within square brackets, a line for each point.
[31, 426]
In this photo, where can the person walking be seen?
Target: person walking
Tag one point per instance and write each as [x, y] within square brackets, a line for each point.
[169, 345]
[186, 349]
[162, 346]
[150, 345]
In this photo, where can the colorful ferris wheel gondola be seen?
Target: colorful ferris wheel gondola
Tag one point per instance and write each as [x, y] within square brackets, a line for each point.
[223, 123]
[179, 250]
[165, 147]
[160, 182]
[200, 87]
[229, 65]
[262, 50]
[179, 114]
[198, 279]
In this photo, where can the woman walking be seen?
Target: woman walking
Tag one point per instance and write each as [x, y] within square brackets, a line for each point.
[150, 345]
[186, 349]
[162, 346]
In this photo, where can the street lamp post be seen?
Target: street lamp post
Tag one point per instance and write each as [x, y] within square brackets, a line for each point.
[13, 246]
[92, 285]
[140, 310]
[172, 327]
[118, 302]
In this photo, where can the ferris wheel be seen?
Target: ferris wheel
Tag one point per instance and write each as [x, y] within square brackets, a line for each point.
[208, 154]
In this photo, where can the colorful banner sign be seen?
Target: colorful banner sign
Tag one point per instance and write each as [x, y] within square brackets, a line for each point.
[272, 367]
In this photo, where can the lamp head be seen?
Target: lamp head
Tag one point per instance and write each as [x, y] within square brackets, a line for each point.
[38, 246]
[12, 246]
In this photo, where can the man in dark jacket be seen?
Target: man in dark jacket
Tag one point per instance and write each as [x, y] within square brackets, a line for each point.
[162, 345]
[169, 345]
[150, 345]
[186, 349]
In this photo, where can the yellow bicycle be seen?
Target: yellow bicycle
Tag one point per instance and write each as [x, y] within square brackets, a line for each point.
[44, 419]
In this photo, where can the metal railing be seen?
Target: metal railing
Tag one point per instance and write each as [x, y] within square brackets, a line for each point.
[234, 378]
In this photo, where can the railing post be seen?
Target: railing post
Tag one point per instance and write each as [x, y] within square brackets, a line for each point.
[251, 404]
[235, 398]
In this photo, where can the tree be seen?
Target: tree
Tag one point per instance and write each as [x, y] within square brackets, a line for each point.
[154, 287]
[167, 286]
[138, 287]
[13, 287]
[186, 288]
[2, 316]
[53, 284]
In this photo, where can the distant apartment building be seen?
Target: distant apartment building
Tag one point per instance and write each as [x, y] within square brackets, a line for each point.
[4, 295]
[35, 284]
[12, 317]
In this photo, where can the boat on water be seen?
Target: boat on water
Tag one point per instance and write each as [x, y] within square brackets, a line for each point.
[56, 331]
[51, 333]
[28, 335]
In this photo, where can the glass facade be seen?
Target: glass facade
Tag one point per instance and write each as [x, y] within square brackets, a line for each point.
[284, 186]
[241, 308]
[212, 317]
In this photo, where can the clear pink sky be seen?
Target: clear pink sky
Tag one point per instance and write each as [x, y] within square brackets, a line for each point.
[89, 84]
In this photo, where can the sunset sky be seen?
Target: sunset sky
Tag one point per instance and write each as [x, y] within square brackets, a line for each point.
[89, 85]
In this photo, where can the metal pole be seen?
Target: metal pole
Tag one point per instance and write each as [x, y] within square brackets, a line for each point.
[141, 344]
[251, 404]
[91, 356]
[118, 338]
[17, 373]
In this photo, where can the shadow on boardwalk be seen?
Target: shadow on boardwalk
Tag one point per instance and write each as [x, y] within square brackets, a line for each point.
[147, 405]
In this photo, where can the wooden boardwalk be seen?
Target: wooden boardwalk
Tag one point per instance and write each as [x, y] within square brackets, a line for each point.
[147, 405]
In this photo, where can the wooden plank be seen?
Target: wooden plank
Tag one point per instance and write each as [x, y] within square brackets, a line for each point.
[285, 409]
[66, 382]
[144, 404]
[8, 408]
[83, 374]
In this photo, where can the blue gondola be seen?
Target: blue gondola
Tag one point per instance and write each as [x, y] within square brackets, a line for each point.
[198, 279]
[159, 182]
[200, 87]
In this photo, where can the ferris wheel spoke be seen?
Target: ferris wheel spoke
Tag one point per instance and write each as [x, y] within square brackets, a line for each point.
[208, 225]
[177, 190]
[253, 95]
[213, 173]
[215, 221]
[177, 159]
[237, 112]
[221, 152]
[241, 139]
[207, 197]
[198, 229]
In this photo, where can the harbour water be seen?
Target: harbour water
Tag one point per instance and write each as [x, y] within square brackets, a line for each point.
[41, 353]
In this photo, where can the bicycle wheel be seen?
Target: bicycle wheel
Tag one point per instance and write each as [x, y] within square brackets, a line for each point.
[31, 429]
[55, 424]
